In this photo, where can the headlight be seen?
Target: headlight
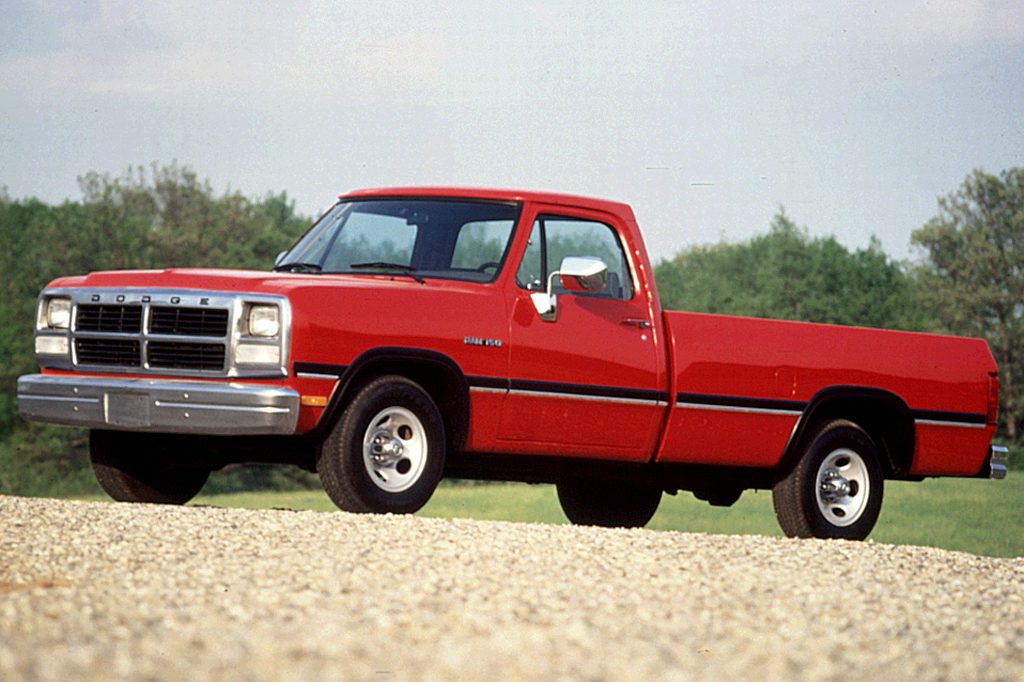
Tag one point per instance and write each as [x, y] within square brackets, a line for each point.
[264, 321]
[55, 314]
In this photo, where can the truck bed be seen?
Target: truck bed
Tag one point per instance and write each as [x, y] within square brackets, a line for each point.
[742, 385]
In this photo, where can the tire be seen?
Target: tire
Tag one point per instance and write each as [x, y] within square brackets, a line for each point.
[386, 454]
[135, 467]
[836, 489]
[608, 504]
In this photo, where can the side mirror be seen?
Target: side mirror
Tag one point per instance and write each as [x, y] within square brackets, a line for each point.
[583, 274]
[577, 273]
[280, 257]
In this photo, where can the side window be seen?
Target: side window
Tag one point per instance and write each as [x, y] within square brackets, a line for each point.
[553, 238]
[369, 237]
[530, 274]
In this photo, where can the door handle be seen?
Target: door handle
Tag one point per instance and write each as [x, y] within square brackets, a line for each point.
[637, 322]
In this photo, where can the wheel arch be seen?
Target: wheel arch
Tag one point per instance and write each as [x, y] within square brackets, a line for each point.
[882, 414]
[438, 374]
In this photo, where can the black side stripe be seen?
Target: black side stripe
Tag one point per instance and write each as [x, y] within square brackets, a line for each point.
[318, 368]
[943, 416]
[741, 402]
[596, 391]
[487, 382]
[589, 390]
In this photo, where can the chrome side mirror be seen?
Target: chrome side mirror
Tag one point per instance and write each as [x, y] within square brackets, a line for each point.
[583, 274]
[280, 257]
[577, 273]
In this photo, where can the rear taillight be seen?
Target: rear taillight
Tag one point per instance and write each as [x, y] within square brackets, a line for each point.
[992, 417]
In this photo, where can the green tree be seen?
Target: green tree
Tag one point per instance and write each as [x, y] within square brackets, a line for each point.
[973, 274]
[786, 274]
[168, 217]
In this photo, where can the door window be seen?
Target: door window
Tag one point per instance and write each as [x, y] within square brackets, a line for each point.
[553, 238]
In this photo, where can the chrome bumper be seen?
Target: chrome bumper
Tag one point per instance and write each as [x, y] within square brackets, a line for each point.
[998, 456]
[228, 409]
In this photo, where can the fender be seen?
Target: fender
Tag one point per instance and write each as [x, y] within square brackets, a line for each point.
[416, 363]
[883, 414]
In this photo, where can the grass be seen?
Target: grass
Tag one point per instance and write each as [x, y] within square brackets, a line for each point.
[977, 516]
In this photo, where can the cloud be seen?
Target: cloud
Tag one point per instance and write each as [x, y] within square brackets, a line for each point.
[463, 55]
[200, 49]
[952, 23]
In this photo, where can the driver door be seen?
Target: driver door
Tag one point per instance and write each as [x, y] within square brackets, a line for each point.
[587, 382]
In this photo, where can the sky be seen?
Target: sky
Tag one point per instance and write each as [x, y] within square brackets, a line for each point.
[705, 116]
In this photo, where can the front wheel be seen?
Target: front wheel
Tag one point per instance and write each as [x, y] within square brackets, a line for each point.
[136, 467]
[386, 453]
[609, 504]
[835, 490]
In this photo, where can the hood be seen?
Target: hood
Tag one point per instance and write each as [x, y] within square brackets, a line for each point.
[231, 281]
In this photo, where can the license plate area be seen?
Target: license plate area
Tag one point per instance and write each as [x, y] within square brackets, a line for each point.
[126, 409]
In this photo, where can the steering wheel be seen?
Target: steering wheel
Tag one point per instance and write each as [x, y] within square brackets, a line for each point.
[489, 264]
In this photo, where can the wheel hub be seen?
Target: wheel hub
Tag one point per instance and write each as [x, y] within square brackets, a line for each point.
[385, 448]
[395, 449]
[834, 486]
[843, 487]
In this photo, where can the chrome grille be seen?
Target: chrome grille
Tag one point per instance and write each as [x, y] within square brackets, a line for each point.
[182, 355]
[116, 352]
[118, 319]
[177, 332]
[188, 321]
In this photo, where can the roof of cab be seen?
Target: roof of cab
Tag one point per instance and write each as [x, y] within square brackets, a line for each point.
[491, 193]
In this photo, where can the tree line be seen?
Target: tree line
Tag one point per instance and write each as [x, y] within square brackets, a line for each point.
[969, 278]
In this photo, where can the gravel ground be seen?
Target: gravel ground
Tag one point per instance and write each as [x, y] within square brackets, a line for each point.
[115, 591]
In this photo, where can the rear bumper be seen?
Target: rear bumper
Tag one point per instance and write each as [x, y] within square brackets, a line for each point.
[157, 405]
[996, 463]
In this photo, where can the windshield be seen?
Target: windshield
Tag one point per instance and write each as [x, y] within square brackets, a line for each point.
[460, 239]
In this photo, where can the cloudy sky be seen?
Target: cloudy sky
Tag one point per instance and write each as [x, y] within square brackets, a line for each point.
[706, 117]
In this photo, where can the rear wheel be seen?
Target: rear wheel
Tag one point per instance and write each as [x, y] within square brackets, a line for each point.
[609, 504]
[835, 490]
[386, 453]
[137, 467]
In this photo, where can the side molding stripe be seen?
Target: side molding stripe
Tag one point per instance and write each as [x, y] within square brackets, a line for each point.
[731, 403]
[487, 382]
[700, 401]
[318, 369]
[567, 390]
[588, 390]
[726, 403]
[937, 416]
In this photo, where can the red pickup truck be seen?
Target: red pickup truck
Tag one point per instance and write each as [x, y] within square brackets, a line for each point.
[418, 333]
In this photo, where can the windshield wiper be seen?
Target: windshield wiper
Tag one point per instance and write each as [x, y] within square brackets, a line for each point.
[297, 267]
[382, 265]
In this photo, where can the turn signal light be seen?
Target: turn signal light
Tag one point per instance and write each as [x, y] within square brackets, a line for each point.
[52, 345]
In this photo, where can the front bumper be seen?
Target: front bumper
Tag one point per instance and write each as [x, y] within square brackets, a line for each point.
[158, 405]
